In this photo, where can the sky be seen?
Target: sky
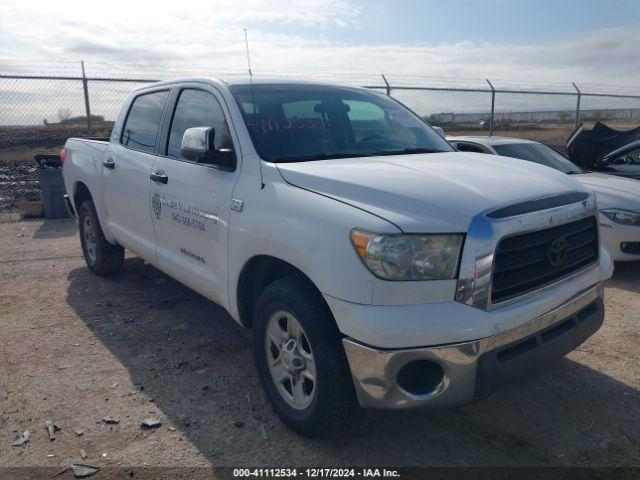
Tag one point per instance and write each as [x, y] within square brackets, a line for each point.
[587, 41]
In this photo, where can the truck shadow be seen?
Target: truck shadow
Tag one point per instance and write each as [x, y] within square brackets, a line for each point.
[626, 276]
[197, 365]
[58, 228]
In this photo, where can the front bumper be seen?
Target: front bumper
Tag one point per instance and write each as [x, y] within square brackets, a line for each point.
[472, 370]
[613, 235]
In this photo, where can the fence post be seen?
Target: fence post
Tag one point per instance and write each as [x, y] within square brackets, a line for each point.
[493, 105]
[85, 87]
[577, 104]
[387, 85]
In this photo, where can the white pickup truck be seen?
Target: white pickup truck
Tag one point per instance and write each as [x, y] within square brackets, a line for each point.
[370, 259]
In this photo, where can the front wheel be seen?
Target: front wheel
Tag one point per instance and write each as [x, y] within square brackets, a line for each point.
[300, 358]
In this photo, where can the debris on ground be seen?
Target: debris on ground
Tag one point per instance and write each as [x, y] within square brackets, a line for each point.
[51, 455]
[83, 453]
[172, 429]
[151, 423]
[263, 432]
[78, 432]
[239, 424]
[82, 471]
[22, 439]
[51, 429]
[111, 420]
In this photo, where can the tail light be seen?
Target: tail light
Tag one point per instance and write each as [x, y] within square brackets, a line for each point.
[63, 156]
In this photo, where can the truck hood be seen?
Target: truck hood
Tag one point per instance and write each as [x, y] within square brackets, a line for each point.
[435, 192]
[612, 191]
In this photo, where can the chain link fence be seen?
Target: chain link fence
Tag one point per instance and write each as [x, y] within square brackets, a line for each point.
[39, 112]
[43, 110]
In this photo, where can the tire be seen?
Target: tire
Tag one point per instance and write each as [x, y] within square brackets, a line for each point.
[331, 398]
[102, 257]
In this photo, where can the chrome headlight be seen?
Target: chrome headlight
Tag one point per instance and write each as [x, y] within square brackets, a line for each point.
[409, 257]
[623, 217]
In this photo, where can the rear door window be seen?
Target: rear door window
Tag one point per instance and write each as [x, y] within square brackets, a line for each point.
[142, 124]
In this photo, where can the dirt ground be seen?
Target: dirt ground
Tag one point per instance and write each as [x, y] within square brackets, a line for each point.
[77, 348]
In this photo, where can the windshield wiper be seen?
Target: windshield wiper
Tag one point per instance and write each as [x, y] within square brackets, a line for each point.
[338, 155]
[408, 151]
[319, 156]
[574, 172]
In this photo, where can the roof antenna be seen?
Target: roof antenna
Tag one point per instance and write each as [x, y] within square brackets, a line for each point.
[253, 95]
[246, 45]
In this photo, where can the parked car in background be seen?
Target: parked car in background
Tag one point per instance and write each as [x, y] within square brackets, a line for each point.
[605, 149]
[366, 254]
[618, 198]
[624, 161]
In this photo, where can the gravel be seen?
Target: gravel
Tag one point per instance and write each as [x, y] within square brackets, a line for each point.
[18, 181]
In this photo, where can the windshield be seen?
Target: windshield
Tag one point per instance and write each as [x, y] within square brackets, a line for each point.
[294, 123]
[538, 153]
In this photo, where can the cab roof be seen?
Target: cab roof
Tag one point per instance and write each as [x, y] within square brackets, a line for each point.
[232, 80]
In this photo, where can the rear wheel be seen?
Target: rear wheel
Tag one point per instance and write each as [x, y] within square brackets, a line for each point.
[101, 256]
[300, 358]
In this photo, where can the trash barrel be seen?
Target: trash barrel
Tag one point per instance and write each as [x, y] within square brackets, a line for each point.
[52, 185]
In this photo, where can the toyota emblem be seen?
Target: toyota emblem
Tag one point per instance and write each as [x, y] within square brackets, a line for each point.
[557, 253]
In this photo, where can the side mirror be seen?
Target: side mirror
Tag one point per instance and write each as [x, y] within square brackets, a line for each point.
[198, 145]
[439, 130]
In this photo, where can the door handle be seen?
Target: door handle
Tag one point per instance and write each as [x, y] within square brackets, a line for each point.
[109, 163]
[159, 177]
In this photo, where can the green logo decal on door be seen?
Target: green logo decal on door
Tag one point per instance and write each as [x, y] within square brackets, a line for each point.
[156, 205]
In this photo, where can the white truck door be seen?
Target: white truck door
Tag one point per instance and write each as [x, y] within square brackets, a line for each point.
[191, 201]
[126, 169]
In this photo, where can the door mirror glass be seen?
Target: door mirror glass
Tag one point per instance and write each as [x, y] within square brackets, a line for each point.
[198, 145]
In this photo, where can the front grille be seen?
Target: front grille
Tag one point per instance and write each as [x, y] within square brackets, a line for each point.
[528, 261]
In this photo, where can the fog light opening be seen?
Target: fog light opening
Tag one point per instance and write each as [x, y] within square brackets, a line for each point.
[420, 377]
[632, 248]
